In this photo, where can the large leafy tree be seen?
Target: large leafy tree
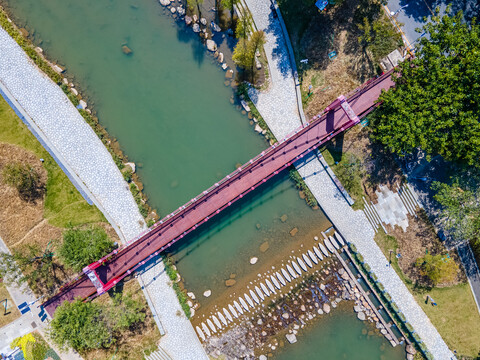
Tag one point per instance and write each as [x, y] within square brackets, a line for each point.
[438, 268]
[25, 179]
[32, 345]
[90, 325]
[460, 201]
[81, 326]
[435, 103]
[33, 265]
[81, 247]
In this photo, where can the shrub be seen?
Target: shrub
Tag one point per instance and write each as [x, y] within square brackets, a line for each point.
[367, 267]
[25, 179]
[381, 287]
[360, 258]
[82, 247]
[32, 345]
[353, 248]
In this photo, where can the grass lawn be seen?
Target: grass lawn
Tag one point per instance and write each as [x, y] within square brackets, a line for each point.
[63, 203]
[12, 310]
[455, 316]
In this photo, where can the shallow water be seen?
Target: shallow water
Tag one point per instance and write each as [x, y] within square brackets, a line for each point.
[167, 106]
[336, 336]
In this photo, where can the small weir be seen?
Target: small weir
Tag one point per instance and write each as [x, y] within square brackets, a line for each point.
[284, 299]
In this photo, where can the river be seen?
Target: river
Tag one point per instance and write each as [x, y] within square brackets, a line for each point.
[169, 109]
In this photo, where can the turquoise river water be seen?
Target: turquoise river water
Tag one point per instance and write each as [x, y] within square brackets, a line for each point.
[167, 106]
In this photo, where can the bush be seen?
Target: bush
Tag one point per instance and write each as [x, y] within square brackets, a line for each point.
[353, 248]
[438, 268]
[360, 258]
[395, 307]
[409, 327]
[25, 179]
[387, 296]
[381, 287]
[402, 317]
[82, 247]
[367, 268]
[81, 326]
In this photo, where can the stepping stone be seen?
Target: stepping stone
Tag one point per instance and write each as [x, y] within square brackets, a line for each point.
[270, 286]
[312, 256]
[275, 282]
[233, 311]
[264, 289]
[216, 322]
[290, 270]
[222, 318]
[227, 315]
[244, 304]
[249, 300]
[280, 278]
[339, 238]
[334, 242]
[285, 275]
[297, 268]
[260, 293]
[318, 252]
[210, 323]
[254, 297]
[302, 264]
[200, 333]
[324, 250]
[307, 260]
[238, 307]
[206, 330]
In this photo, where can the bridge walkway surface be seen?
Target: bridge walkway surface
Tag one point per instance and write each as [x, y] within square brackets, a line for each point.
[233, 187]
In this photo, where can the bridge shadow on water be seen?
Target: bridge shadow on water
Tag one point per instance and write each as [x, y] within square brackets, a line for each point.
[200, 237]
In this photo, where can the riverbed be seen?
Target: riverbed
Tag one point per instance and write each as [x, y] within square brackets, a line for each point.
[167, 105]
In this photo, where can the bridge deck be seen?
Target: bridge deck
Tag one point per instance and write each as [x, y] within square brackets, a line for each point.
[223, 194]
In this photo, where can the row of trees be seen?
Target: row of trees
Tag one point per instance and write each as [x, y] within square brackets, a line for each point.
[249, 43]
[435, 106]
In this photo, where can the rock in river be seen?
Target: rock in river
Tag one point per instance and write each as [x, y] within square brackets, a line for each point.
[264, 247]
[211, 45]
[326, 308]
[292, 339]
[196, 28]
[253, 260]
[126, 50]
[165, 2]
[207, 293]
[230, 282]
[361, 315]
[294, 231]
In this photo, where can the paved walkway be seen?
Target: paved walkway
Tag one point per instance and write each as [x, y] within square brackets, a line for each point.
[53, 118]
[353, 225]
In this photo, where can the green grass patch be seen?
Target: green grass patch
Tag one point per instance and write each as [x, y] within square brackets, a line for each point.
[63, 203]
[300, 184]
[349, 170]
[455, 316]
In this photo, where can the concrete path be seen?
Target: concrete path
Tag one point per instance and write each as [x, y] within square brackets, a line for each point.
[353, 225]
[46, 110]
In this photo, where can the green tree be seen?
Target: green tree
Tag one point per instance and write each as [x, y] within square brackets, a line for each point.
[32, 345]
[25, 179]
[435, 103]
[81, 326]
[438, 268]
[244, 26]
[460, 201]
[125, 312]
[81, 247]
[244, 52]
[230, 5]
[33, 265]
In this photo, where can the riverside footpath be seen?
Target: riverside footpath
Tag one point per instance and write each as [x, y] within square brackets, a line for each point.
[53, 119]
[282, 119]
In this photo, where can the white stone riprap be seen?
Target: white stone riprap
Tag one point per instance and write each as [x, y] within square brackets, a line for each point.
[278, 105]
[279, 109]
[55, 120]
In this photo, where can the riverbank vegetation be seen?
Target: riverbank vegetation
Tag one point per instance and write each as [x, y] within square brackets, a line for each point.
[119, 325]
[174, 276]
[338, 49]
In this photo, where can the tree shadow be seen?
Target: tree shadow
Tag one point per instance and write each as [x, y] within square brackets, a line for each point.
[279, 52]
[420, 9]
[187, 36]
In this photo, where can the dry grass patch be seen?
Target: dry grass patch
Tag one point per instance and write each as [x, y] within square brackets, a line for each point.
[12, 310]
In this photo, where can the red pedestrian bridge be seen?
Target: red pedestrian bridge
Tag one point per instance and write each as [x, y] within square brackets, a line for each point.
[339, 116]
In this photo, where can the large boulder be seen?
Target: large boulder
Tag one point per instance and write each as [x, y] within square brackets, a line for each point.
[292, 339]
[211, 45]
[165, 2]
